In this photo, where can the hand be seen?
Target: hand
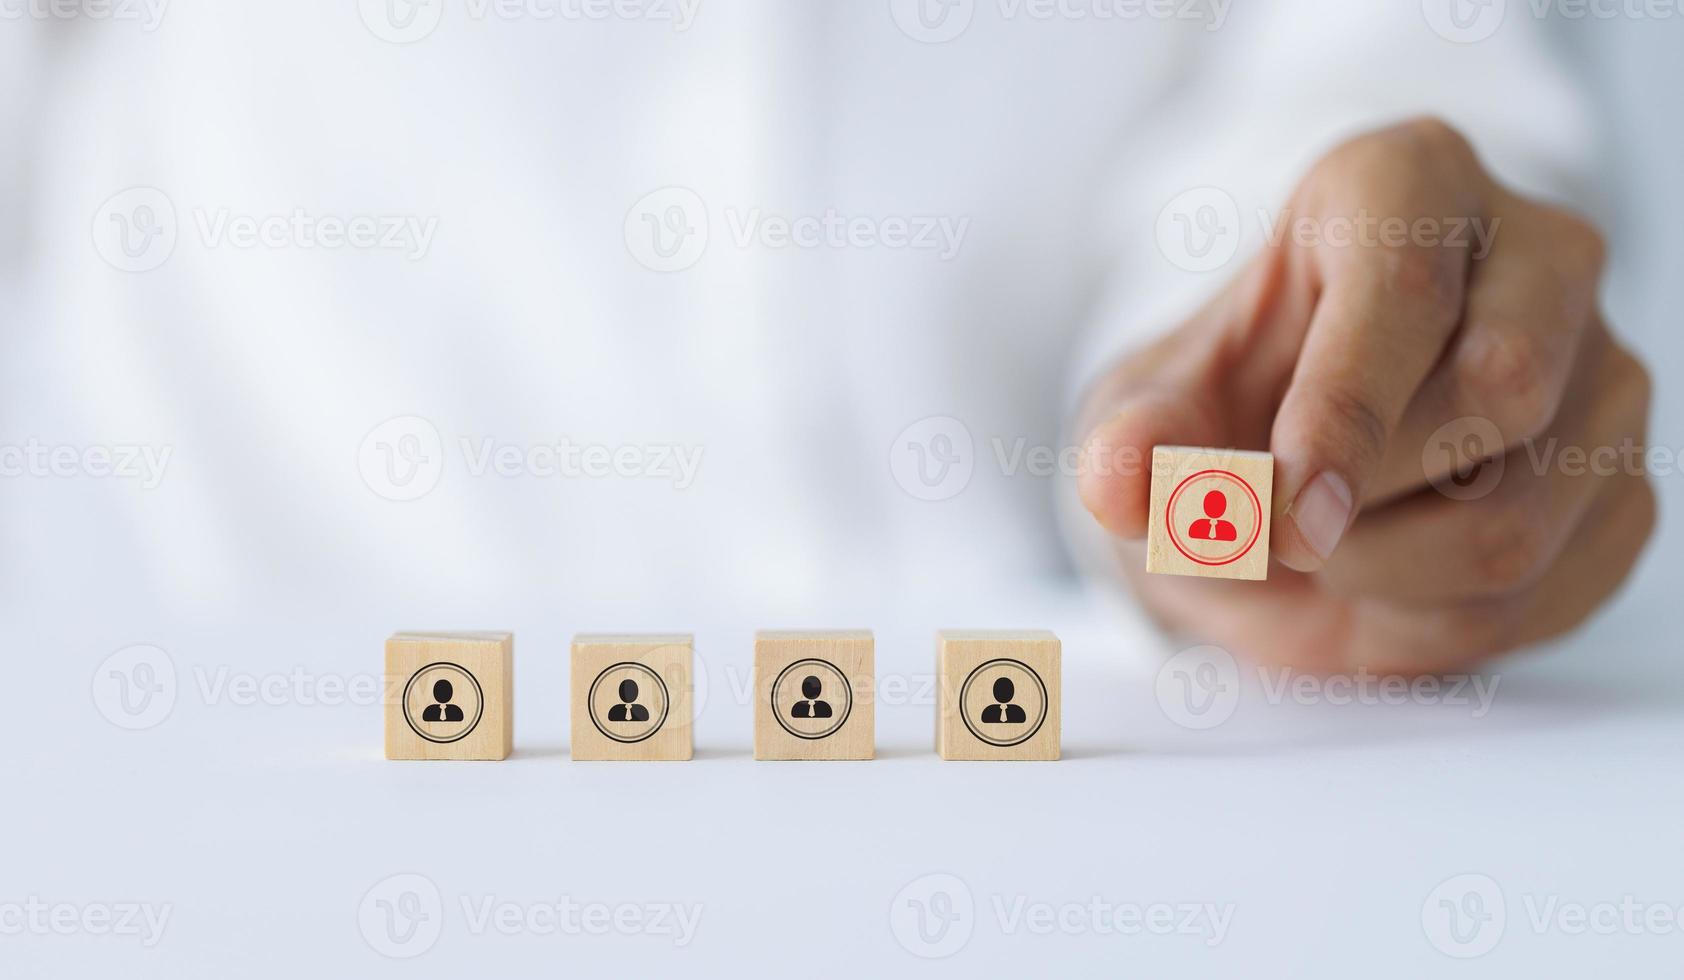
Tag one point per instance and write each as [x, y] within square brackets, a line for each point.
[1347, 356]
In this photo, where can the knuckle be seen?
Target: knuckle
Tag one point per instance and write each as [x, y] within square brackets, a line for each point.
[1630, 379]
[1420, 152]
[1430, 280]
[1357, 160]
[1509, 373]
[1645, 510]
[1515, 550]
[1341, 172]
[1435, 131]
[1431, 141]
[1583, 246]
[1358, 431]
[1483, 628]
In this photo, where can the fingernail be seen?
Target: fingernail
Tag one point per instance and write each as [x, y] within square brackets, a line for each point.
[1321, 512]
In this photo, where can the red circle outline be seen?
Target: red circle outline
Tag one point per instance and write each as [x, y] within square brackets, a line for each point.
[1256, 525]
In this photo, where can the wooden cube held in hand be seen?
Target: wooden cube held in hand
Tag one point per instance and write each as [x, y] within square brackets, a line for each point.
[1210, 512]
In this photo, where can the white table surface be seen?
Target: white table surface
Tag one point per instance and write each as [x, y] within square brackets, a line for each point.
[1320, 830]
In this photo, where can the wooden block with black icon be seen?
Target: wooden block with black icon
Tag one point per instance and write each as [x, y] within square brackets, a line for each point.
[997, 694]
[815, 694]
[632, 697]
[450, 695]
[1209, 513]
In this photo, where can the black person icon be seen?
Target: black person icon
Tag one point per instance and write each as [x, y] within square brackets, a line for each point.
[442, 709]
[1004, 712]
[811, 699]
[1003, 702]
[628, 709]
[1213, 528]
[812, 707]
[443, 702]
[628, 702]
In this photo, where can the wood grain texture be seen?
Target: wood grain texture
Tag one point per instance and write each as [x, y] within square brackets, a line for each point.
[815, 695]
[652, 719]
[1210, 513]
[998, 695]
[450, 695]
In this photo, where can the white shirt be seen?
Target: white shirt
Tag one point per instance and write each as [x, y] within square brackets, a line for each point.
[982, 214]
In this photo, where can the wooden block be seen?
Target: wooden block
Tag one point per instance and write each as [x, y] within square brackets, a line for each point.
[1210, 512]
[997, 694]
[450, 695]
[815, 695]
[632, 696]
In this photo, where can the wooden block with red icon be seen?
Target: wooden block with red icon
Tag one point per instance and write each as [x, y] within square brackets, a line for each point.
[1210, 512]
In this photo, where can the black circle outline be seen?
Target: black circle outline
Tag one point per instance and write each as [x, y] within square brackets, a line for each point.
[965, 716]
[478, 691]
[666, 701]
[847, 685]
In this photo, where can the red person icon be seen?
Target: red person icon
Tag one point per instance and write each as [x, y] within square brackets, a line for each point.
[1214, 529]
